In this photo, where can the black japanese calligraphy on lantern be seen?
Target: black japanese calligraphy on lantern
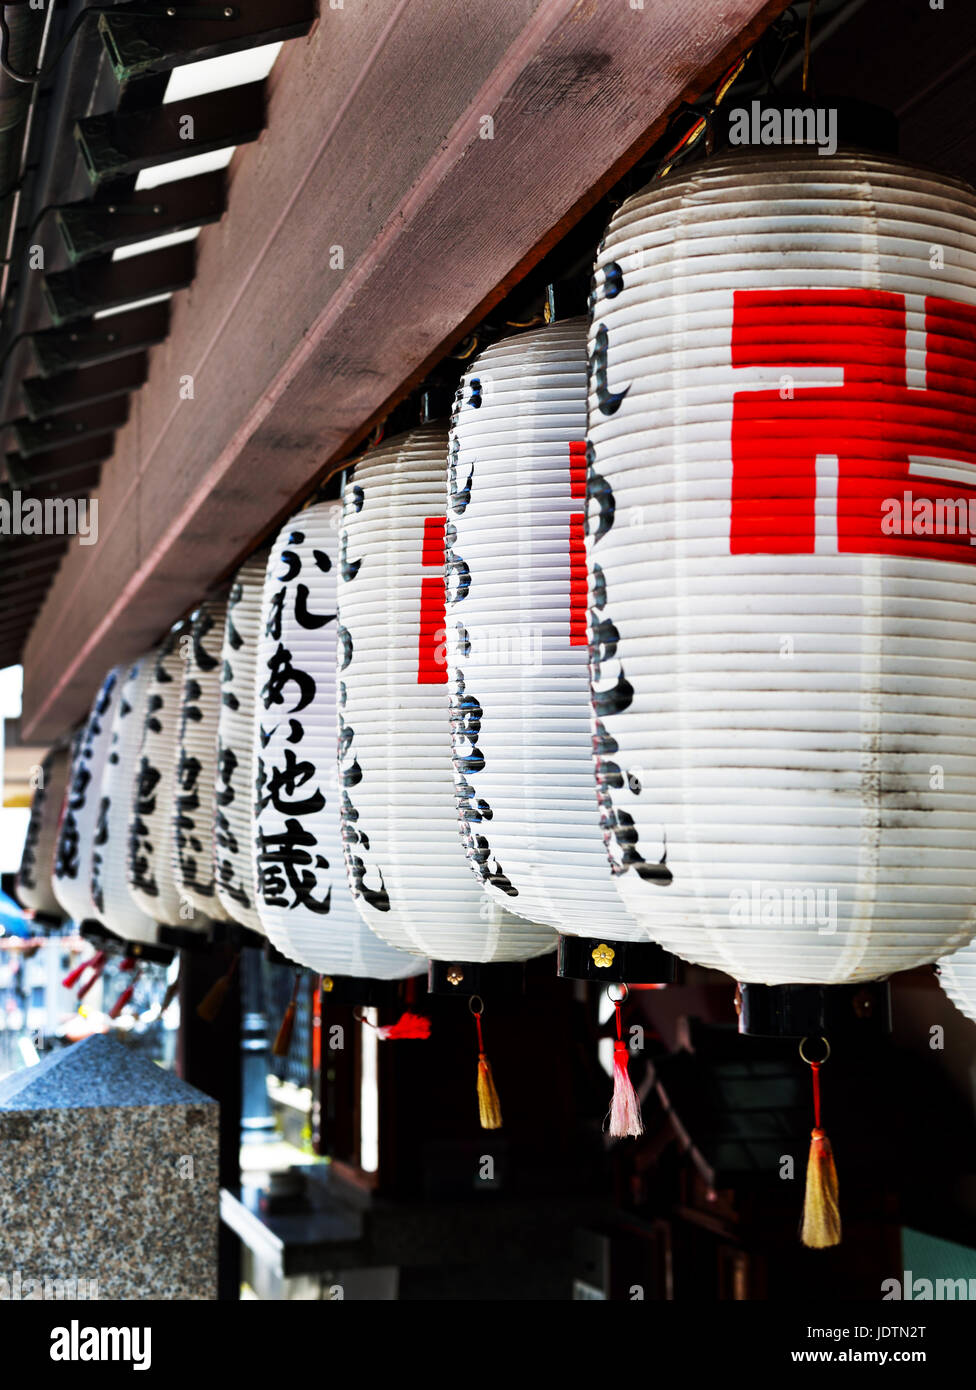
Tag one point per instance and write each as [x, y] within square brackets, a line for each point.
[311, 622]
[459, 493]
[189, 844]
[203, 625]
[26, 874]
[612, 693]
[291, 869]
[282, 673]
[226, 842]
[280, 787]
[276, 608]
[366, 879]
[192, 830]
[232, 638]
[466, 719]
[141, 875]
[149, 783]
[67, 863]
[286, 864]
[98, 858]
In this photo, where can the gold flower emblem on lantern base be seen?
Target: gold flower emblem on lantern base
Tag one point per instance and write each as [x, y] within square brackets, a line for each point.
[603, 955]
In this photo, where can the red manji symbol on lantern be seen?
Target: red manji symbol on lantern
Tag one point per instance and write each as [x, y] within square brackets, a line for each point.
[577, 546]
[904, 454]
[431, 653]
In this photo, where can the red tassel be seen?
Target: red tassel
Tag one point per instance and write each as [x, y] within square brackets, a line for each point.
[124, 997]
[93, 979]
[128, 964]
[170, 995]
[625, 1110]
[407, 1026]
[94, 962]
[73, 976]
[282, 1043]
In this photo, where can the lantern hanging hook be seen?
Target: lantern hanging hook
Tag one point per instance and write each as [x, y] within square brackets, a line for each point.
[476, 999]
[623, 998]
[809, 1060]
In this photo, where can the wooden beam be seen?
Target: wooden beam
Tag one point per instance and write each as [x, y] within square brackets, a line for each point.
[370, 226]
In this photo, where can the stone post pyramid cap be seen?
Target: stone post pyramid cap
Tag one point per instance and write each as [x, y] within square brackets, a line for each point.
[97, 1072]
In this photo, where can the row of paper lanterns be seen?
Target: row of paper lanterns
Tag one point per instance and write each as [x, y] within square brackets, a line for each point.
[627, 652]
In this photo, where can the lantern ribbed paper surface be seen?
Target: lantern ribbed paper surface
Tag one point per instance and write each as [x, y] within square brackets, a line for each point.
[405, 859]
[517, 649]
[235, 745]
[109, 867]
[783, 362]
[151, 850]
[33, 886]
[194, 807]
[303, 896]
[957, 975]
[76, 833]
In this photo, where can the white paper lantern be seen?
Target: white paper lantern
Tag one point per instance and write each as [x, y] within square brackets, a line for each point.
[151, 855]
[194, 804]
[957, 975]
[236, 880]
[76, 833]
[783, 683]
[33, 885]
[517, 647]
[109, 864]
[303, 897]
[404, 856]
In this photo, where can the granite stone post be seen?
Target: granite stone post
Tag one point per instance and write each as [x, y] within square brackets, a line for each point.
[108, 1179]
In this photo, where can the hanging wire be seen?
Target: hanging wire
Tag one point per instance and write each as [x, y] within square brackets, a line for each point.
[12, 188]
[466, 348]
[46, 68]
[806, 44]
[692, 136]
[50, 207]
[17, 338]
[120, 210]
[787, 27]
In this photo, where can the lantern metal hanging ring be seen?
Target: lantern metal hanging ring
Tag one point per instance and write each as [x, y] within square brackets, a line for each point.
[809, 1061]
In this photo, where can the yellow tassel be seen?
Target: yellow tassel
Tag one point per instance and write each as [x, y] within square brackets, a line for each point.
[210, 1005]
[821, 1213]
[488, 1106]
[282, 1043]
[212, 1002]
